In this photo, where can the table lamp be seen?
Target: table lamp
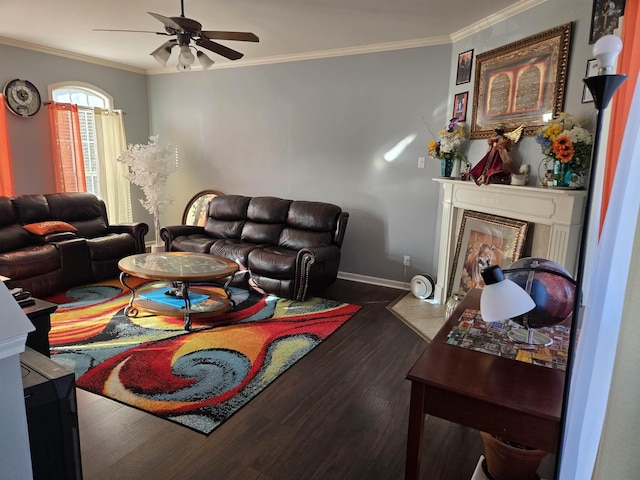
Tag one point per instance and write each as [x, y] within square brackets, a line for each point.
[502, 298]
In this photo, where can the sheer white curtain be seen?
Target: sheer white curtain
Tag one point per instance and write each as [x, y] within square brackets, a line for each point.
[114, 187]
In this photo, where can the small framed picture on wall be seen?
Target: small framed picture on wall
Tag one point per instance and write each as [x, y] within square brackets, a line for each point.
[592, 70]
[465, 61]
[460, 101]
[605, 18]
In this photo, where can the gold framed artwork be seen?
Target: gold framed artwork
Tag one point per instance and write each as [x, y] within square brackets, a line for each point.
[195, 213]
[484, 240]
[521, 82]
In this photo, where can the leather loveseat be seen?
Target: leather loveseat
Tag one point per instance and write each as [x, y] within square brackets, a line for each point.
[291, 248]
[51, 242]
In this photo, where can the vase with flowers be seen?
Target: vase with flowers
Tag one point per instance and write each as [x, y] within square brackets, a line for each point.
[447, 148]
[566, 146]
[150, 165]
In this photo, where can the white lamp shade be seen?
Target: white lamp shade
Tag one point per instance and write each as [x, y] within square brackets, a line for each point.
[606, 51]
[504, 300]
[162, 53]
[186, 57]
[204, 60]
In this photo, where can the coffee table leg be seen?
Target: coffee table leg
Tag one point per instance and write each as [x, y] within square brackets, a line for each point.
[129, 310]
[187, 305]
[228, 292]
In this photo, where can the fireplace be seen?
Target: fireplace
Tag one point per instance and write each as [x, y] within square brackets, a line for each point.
[554, 216]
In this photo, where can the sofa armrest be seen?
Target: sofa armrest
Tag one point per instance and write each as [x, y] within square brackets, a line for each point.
[168, 234]
[74, 260]
[59, 237]
[136, 229]
[316, 268]
[319, 254]
[341, 227]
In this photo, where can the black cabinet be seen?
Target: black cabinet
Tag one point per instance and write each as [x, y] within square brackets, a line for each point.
[52, 417]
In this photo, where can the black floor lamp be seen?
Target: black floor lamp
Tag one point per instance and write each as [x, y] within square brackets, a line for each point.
[602, 87]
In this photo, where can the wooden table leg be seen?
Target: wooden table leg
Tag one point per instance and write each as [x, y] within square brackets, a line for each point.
[415, 431]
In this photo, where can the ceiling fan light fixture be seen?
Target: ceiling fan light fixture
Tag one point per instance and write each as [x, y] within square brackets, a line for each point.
[204, 60]
[162, 54]
[186, 57]
[183, 68]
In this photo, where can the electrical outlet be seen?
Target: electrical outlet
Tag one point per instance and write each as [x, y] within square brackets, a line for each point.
[420, 162]
[406, 261]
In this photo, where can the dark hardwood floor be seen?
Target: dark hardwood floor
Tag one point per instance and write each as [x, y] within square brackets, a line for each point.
[340, 413]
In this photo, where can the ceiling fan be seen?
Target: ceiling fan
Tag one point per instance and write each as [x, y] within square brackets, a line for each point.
[188, 31]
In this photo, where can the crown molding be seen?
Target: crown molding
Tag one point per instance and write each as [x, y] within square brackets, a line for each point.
[338, 52]
[73, 56]
[495, 19]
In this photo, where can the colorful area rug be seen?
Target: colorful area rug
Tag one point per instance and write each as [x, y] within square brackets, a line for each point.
[198, 378]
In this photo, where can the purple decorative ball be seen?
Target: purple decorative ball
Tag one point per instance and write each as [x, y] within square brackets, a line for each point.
[551, 287]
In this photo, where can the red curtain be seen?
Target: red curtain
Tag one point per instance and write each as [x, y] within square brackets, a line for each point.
[628, 63]
[68, 160]
[6, 169]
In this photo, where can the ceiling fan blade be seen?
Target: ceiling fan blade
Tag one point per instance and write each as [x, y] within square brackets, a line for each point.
[168, 22]
[239, 36]
[132, 31]
[219, 49]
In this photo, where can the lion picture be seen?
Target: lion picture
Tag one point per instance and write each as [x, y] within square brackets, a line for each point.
[484, 240]
[483, 251]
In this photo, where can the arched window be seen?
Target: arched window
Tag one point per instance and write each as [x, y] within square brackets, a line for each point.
[103, 140]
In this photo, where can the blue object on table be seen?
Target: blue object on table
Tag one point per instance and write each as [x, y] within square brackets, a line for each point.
[161, 296]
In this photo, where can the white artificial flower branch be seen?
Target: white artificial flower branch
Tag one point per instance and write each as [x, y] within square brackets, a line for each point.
[150, 165]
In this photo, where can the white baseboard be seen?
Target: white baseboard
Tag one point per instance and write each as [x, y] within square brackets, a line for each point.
[383, 282]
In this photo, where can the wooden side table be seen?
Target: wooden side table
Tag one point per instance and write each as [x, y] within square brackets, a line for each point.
[40, 316]
[514, 400]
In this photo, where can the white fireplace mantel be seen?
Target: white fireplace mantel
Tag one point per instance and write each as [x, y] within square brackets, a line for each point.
[555, 216]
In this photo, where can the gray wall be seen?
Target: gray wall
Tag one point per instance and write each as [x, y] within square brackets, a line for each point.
[30, 138]
[317, 130]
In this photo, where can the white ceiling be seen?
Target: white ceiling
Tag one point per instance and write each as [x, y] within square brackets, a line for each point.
[288, 29]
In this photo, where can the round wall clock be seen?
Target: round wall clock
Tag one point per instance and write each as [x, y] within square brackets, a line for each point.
[422, 286]
[22, 97]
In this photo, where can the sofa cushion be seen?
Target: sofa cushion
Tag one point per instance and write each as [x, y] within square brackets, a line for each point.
[316, 216]
[50, 226]
[29, 262]
[92, 228]
[268, 210]
[32, 208]
[8, 214]
[223, 228]
[261, 233]
[74, 207]
[13, 237]
[273, 261]
[298, 239]
[235, 250]
[198, 243]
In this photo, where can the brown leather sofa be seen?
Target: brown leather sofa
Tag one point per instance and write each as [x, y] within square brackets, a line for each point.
[51, 242]
[291, 248]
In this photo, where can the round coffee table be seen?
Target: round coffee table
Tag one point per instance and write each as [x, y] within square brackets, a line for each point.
[175, 272]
